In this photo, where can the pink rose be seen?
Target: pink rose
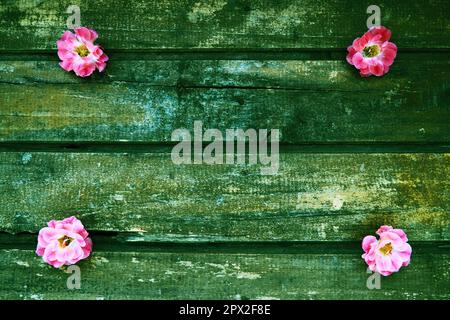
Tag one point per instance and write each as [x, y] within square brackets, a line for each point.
[372, 54]
[63, 242]
[78, 52]
[389, 253]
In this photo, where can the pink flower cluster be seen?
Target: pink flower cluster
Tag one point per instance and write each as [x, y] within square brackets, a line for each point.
[79, 53]
[63, 242]
[372, 54]
[389, 253]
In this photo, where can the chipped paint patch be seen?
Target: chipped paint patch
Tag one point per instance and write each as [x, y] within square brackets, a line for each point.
[7, 68]
[134, 260]
[187, 264]
[281, 20]
[118, 197]
[321, 231]
[362, 167]
[247, 275]
[348, 111]
[202, 11]
[99, 260]
[333, 75]
[337, 203]
[233, 270]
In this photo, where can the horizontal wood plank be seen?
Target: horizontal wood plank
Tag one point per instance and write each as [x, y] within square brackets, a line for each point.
[185, 275]
[145, 100]
[124, 24]
[313, 196]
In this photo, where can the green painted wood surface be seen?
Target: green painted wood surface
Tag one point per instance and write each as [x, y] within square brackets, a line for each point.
[262, 24]
[145, 100]
[304, 273]
[313, 196]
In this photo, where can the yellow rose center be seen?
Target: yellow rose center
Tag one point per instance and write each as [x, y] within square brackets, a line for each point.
[386, 249]
[64, 241]
[82, 50]
[371, 51]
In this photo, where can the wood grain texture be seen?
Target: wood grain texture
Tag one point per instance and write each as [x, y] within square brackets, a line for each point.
[313, 196]
[145, 100]
[124, 24]
[184, 275]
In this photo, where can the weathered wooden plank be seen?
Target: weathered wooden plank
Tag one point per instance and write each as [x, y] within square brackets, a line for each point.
[30, 25]
[313, 196]
[185, 275]
[145, 100]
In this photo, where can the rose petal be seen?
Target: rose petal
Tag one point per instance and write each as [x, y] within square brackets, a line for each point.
[86, 34]
[367, 242]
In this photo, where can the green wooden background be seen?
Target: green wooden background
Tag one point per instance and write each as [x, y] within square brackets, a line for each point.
[99, 148]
